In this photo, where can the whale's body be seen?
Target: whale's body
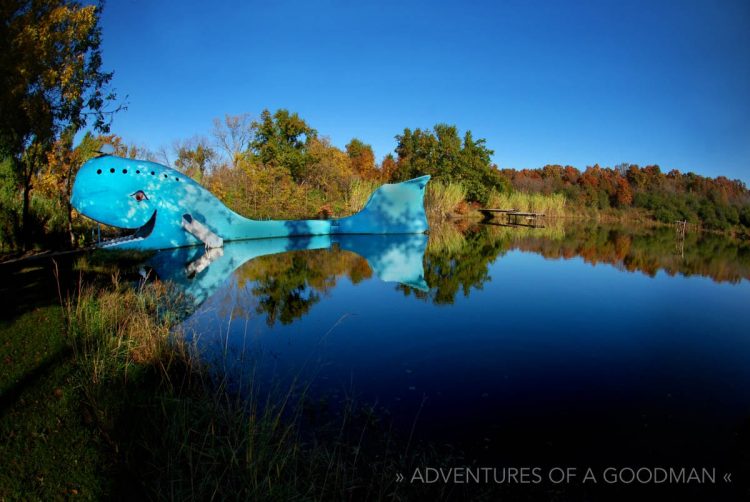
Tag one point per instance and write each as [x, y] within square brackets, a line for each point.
[155, 201]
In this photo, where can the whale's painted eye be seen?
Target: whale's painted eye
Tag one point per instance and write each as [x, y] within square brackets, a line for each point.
[139, 196]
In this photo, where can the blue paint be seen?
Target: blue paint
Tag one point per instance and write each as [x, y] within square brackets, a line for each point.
[151, 199]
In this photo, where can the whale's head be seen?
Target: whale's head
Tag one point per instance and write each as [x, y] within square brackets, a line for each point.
[146, 197]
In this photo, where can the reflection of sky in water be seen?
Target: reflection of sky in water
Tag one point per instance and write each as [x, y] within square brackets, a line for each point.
[554, 358]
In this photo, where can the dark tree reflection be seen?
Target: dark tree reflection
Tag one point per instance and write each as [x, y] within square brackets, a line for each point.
[458, 257]
[285, 287]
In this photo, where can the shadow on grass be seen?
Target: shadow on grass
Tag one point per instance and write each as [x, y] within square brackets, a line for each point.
[122, 411]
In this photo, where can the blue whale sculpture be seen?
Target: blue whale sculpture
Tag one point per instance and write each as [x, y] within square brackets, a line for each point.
[166, 209]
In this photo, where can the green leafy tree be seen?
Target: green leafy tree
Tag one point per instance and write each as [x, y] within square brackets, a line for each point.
[447, 157]
[9, 217]
[282, 140]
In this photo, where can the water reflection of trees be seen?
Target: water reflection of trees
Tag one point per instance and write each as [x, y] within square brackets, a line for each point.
[457, 259]
[647, 250]
[285, 287]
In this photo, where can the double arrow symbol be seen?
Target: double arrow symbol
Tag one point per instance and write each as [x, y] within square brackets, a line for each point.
[399, 477]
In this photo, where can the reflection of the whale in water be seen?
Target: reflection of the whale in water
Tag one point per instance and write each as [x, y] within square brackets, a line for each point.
[200, 273]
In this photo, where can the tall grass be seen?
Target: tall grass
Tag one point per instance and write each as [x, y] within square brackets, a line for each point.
[186, 437]
[549, 205]
[112, 330]
[182, 435]
[358, 194]
[442, 199]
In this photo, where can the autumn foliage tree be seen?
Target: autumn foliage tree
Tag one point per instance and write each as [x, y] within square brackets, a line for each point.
[288, 171]
[53, 82]
[55, 179]
[195, 157]
[716, 203]
[362, 159]
[388, 167]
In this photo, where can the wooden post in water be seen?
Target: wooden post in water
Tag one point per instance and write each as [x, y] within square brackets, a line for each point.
[680, 226]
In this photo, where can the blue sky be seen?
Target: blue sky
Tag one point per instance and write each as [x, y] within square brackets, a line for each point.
[544, 82]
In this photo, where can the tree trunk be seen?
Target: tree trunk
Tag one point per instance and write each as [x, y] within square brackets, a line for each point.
[70, 226]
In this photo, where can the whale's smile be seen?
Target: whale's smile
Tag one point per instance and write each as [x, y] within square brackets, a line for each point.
[139, 234]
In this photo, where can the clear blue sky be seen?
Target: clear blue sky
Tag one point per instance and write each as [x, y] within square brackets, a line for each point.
[544, 82]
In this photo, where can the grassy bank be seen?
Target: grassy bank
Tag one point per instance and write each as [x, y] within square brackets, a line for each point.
[48, 451]
[104, 399]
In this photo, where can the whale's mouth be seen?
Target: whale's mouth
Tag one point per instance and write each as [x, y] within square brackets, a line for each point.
[140, 233]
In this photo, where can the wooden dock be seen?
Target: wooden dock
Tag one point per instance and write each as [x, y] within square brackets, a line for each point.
[513, 215]
[494, 223]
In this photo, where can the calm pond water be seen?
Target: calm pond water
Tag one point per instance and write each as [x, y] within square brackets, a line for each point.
[582, 345]
[577, 345]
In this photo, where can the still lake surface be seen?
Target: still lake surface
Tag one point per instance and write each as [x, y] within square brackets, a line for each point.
[567, 345]
[572, 345]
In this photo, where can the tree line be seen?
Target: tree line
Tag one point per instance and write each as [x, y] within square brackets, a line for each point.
[715, 203]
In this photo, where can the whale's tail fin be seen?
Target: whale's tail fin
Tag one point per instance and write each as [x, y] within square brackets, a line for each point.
[396, 208]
